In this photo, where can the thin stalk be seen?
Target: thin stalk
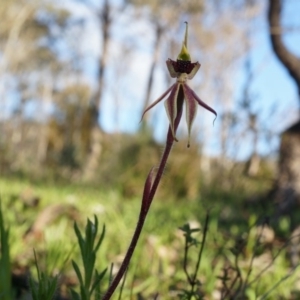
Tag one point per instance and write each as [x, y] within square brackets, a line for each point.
[205, 230]
[186, 250]
[145, 208]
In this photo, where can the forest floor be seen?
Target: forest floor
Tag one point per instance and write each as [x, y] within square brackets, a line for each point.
[244, 253]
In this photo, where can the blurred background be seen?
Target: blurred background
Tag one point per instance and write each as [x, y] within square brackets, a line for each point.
[75, 77]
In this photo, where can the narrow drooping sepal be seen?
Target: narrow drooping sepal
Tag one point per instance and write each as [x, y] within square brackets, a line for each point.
[200, 102]
[171, 107]
[158, 100]
[191, 110]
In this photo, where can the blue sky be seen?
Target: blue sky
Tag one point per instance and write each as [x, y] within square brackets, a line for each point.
[273, 87]
[273, 83]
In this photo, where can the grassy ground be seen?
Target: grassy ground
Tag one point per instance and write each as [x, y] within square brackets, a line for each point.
[234, 246]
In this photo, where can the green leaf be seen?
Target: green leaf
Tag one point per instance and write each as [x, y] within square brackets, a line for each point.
[96, 225]
[185, 227]
[78, 273]
[75, 295]
[100, 239]
[33, 289]
[52, 282]
[84, 293]
[99, 277]
[79, 236]
[89, 236]
[5, 266]
[89, 267]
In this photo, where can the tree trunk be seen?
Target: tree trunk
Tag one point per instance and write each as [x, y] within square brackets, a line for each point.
[158, 34]
[287, 194]
[93, 158]
[42, 137]
[289, 60]
[287, 189]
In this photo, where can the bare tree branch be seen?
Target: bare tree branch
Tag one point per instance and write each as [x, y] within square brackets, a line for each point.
[289, 60]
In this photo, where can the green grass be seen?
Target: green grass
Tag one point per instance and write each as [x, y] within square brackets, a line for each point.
[156, 267]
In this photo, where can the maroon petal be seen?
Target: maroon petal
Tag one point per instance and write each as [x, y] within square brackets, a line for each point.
[200, 102]
[191, 110]
[171, 107]
[158, 100]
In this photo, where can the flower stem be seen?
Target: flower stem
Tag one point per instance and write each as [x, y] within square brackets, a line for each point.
[145, 208]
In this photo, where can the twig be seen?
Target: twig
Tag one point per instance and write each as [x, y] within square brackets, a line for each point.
[287, 276]
[205, 230]
[253, 256]
[186, 250]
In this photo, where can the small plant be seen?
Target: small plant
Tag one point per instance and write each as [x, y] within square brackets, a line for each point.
[248, 262]
[194, 291]
[90, 280]
[5, 268]
[46, 286]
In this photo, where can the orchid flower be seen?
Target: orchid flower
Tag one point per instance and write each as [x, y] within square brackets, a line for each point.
[182, 69]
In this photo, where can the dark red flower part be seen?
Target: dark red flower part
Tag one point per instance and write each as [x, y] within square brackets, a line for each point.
[182, 66]
[182, 69]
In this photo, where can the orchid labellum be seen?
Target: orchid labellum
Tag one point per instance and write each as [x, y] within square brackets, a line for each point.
[182, 69]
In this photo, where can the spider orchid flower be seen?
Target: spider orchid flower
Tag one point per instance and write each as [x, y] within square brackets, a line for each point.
[182, 69]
